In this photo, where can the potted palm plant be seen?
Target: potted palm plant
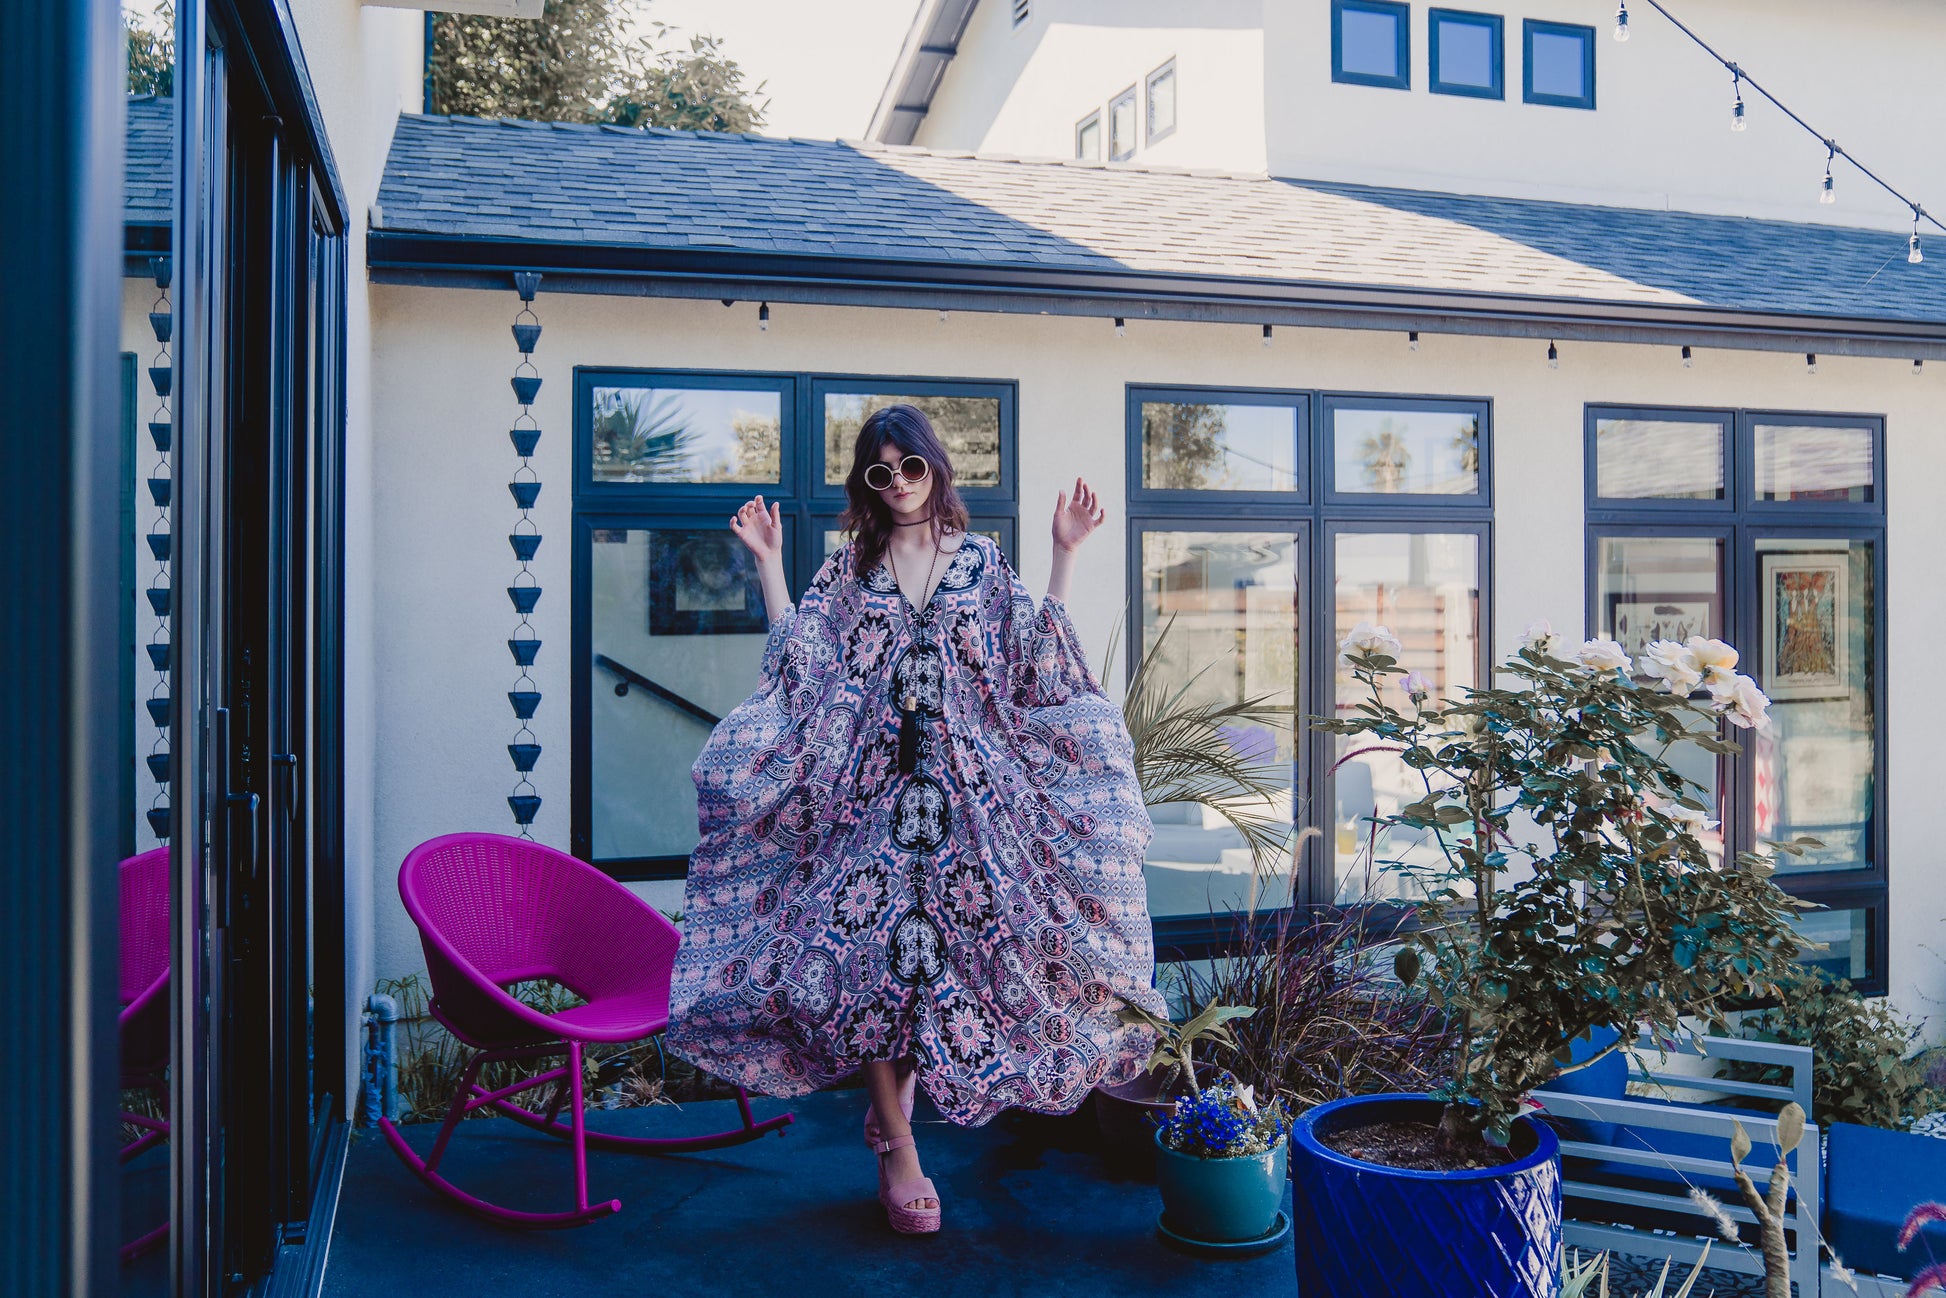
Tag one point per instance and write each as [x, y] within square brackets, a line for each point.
[1566, 895]
[1221, 1166]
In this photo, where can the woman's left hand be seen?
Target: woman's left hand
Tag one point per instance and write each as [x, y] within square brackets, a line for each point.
[1076, 517]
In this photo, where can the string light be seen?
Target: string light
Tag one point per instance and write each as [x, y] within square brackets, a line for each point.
[1918, 367]
[1412, 341]
[1553, 356]
[1121, 328]
[1827, 192]
[1266, 335]
[1688, 361]
[1621, 22]
[1810, 362]
[763, 318]
[942, 317]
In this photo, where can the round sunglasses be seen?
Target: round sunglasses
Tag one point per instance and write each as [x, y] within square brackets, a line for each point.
[913, 468]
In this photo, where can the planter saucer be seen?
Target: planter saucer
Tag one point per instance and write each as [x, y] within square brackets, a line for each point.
[1269, 1239]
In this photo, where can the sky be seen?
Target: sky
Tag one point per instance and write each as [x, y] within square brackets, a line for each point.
[825, 61]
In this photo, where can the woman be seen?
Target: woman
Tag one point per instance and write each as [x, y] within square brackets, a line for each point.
[922, 838]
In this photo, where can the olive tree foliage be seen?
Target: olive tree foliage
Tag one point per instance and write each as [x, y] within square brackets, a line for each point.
[151, 51]
[579, 63]
[1564, 886]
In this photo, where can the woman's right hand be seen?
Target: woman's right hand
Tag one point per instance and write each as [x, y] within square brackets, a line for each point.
[761, 530]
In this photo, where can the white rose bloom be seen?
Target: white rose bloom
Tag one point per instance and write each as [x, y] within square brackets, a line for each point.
[1676, 667]
[1742, 702]
[1368, 639]
[1416, 685]
[1602, 656]
[1539, 636]
[1717, 659]
[1688, 817]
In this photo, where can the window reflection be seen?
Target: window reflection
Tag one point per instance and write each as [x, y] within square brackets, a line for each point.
[1418, 452]
[1424, 587]
[968, 426]
[1813, 462]
[660, 434]
[1217, 446]
[1228, 601]
[1658, 459]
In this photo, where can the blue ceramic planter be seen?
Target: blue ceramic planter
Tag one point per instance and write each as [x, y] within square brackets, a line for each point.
[1220, 1200]
[1369, 1231]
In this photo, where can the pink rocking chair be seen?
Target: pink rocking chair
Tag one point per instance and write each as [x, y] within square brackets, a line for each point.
[493, 911]
[144, 1022]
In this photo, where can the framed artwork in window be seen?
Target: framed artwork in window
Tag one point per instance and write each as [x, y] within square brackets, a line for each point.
[1636, 620]
[1806, 636]
[702, 582]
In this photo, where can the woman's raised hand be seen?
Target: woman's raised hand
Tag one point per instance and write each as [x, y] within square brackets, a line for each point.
[760, 529]
[1075, 517]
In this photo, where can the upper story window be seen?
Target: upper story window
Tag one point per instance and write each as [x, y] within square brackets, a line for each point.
[1023, 10]
[1087, 137]
[1467, 54]
[1371, 43]
[1560, 63]
[1121, 126]
[1162, 101]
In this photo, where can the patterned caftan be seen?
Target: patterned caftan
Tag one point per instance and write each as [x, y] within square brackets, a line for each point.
[985, 913]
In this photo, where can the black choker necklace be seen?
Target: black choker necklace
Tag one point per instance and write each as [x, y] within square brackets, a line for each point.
[914, 523]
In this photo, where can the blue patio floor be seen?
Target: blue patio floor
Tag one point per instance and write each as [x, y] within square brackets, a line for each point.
[1030, 1208]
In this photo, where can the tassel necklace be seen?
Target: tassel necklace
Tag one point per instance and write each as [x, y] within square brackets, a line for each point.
[909, 705]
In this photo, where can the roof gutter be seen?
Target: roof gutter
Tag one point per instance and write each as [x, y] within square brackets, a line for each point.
[457, 261]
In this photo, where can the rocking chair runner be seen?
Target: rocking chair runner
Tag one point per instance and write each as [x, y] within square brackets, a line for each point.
[493, 911]
[144, 1022]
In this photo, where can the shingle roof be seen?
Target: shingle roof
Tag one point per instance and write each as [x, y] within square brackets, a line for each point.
[148, 183]
[693, 191]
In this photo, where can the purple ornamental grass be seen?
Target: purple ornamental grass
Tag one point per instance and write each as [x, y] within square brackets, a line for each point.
[1934, 1276]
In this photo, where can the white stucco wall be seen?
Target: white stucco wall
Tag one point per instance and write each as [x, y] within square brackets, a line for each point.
[1023, 90]
[441, 512]
[365, 67]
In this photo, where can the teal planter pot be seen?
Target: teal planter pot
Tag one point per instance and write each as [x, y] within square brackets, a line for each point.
[1220, 1200]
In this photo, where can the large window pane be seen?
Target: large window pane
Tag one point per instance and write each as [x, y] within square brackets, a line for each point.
[1214, 446]
[1659, 459]
[681, 608]
[969, 428]
[1845, 937]
[1425, 452]
[1425, 587]
[1816, 764]
[1370, 39]
[1651, 588]
[659, 434]
[1228, 601]
[1466, 52]
[1813, 462]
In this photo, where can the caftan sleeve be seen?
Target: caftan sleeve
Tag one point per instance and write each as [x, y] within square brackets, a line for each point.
[1046, 666]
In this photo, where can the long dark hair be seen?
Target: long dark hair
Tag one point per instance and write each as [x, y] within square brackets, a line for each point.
[866, 517]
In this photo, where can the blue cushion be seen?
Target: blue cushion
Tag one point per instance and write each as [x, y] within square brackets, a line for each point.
[1873, 1178]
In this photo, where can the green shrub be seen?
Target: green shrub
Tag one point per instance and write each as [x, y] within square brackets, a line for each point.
[1859, 1069]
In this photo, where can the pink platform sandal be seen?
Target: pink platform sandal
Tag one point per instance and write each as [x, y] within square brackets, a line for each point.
[908, 1089]
[906, 1221]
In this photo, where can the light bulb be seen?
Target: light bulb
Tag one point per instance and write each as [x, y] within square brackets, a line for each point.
[1827, 194]
[942, 317]
[763, 318]
[1913, 255]
[1810, 362]
[1621, 22]
[1736, 114]
[1553, 357]
[1918, 367]
[1121, 329]
[1412, 341]
[1266, 335]
[1688, 361]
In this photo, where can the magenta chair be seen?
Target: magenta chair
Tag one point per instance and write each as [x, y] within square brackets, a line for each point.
[144, 1022]
[493, 911]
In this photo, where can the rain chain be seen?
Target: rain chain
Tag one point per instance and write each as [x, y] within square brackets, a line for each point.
[526, 541]
[161, 480]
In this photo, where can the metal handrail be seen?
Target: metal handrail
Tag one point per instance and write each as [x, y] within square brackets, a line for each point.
[631, 677]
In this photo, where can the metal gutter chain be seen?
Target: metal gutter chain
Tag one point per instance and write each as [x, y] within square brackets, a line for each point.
[525, 539]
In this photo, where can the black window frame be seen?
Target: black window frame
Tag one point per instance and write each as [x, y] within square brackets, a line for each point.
[1532, 27]
[807, 504]
[1150, 133]
[1742, 522]
[1134, 128]
[1395, 9]
[1314, 519]
[1494, 23]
